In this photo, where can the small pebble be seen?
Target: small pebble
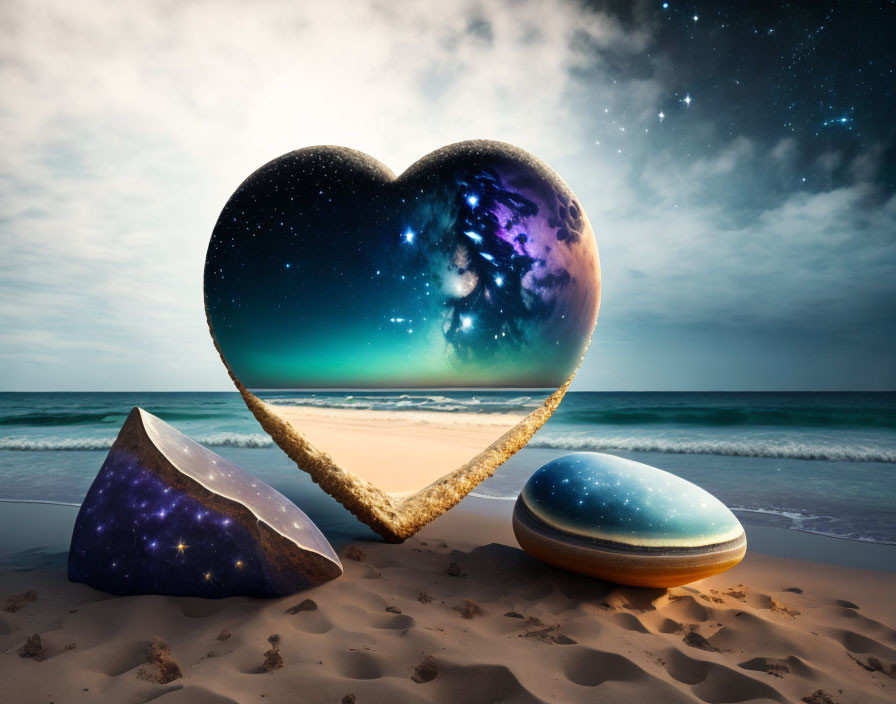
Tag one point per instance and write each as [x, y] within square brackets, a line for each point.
[307, 605]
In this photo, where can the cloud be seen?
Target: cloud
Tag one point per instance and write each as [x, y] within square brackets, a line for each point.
[126, 127]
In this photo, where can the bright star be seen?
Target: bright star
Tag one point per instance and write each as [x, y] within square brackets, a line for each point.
[409, 236]
[466, 322]
[499, 280]
[662, 116]
[288, 265]
[696, 18]
[687, 100]
[475, 236]
[665, 6]
[472, 200]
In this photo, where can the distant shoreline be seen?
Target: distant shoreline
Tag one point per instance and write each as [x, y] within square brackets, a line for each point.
[341, 389]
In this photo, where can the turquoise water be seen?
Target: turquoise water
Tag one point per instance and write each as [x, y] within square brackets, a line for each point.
[818, 462]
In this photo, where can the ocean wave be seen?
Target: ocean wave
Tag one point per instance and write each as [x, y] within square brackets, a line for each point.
[783, 449]
[828, 526]
[410, 402]
[98, 417]
[728, 416]
[492, 497]
[247, 440]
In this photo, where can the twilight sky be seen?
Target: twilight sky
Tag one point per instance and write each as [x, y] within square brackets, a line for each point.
[737, 166]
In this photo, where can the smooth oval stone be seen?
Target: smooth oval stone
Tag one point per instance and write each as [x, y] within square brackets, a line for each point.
[625, 522]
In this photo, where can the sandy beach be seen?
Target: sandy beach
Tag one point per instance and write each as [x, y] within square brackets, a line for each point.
[400, 451]
[460, 613]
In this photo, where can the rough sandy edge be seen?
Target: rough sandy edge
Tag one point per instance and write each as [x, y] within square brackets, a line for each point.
[396, 521]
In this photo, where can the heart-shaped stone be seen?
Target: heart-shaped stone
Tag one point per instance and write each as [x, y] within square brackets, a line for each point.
[476, 268]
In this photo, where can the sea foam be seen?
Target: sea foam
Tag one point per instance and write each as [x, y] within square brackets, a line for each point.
[36, 444]
[754, 447]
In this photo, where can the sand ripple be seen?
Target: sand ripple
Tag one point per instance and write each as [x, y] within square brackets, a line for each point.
[542, 636]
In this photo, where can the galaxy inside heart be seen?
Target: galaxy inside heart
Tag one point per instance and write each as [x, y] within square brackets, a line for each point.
[477, 267]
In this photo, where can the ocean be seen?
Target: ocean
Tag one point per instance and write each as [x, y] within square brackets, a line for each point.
[817, 462]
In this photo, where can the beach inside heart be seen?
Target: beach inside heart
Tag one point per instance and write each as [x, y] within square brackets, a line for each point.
[399, 451]
[474, 269]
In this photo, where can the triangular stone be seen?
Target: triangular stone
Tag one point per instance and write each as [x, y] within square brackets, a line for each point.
[167, 516]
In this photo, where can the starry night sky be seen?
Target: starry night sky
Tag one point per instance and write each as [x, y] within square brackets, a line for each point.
[821, 74]
[476, 267]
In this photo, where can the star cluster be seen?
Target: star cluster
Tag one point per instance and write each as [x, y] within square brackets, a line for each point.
[178, 519]
[818, 73]
[144, 537]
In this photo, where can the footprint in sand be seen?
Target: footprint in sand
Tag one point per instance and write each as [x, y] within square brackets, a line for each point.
[14, 602]
[846, 604]
[778, 667]
[695, 640]
[590, 668]
[715, 682]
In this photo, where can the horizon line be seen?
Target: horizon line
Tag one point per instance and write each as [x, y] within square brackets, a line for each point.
[452, 388]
